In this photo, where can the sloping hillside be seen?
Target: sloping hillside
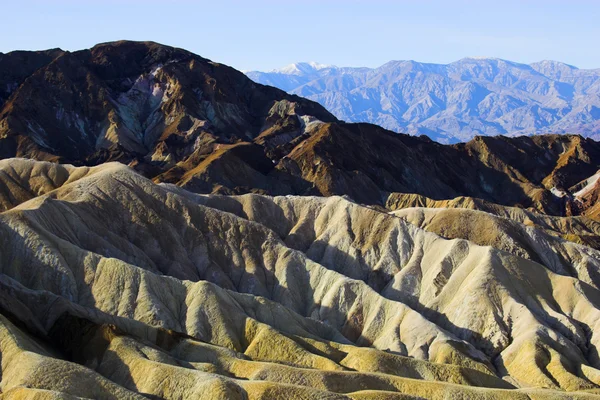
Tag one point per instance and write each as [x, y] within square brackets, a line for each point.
[179, 295]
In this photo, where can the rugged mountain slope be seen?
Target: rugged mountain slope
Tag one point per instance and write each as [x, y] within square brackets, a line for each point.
[179, 118]
[453, 102]
[367, 163]
[527, 241]
[17, 66]
[587, 193]
[581, 229]
[132, 99]
[179, 295]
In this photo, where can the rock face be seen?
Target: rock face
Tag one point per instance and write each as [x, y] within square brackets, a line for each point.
[127, 99]
[179, 295]
[453, 102]
[179, 118]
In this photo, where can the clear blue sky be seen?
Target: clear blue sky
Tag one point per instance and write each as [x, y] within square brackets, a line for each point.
[265, 34]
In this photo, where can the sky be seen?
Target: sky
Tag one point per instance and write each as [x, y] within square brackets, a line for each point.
[267, 34]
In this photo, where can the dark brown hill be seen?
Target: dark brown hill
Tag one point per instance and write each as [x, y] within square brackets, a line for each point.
[182, 119]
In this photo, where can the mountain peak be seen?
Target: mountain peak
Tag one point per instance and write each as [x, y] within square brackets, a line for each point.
[554, 63]
[301, 68]
[554, 69]
[483, 58]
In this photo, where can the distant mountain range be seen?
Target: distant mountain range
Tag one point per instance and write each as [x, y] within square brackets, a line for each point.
[453, 102]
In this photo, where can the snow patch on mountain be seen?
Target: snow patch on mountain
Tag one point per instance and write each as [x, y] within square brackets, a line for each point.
[301, 68]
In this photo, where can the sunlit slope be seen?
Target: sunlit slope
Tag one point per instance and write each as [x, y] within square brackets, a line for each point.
[113, 286]
[578, 229]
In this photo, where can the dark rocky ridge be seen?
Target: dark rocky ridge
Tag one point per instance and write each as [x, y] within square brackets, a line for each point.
[179, 118]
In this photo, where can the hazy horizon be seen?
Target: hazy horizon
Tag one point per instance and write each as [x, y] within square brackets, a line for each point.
[266, 35]
[419, 61]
